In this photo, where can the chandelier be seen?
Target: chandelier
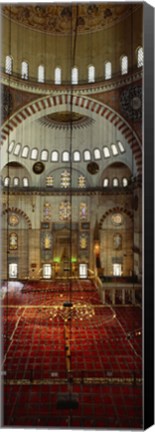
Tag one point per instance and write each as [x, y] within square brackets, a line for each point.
[69, 311]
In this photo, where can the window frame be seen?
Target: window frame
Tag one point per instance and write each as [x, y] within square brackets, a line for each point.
[43, 159]
[74, 79]
[57, 80]
[27, 154]
[104, 149]
[17, 152]
[9, 69]
[65, 153]
[107, 75]
[85, 158]
[41, 79]
[58, 155]
[76, 152]
[91, 74]
[113, 181]
[37, 153]
[24, 75]
[124, 70]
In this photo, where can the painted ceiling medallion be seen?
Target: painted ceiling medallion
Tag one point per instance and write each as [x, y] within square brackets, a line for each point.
[93, 168]
[65, 120]
[13, 220]
[38, 168]
[117, 219]
[60, 18]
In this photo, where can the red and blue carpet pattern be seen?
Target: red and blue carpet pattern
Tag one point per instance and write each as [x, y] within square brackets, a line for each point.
[99, 353]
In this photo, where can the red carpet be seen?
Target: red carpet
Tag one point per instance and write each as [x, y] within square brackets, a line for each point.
[102, 353]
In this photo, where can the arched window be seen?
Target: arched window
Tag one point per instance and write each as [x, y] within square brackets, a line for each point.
[105, 182]
[11, 146]
[115, 182]
[24, 70]
[87, 155]
[57, 75]
[34, 153]
[65, 156]
[7, 181]
[121, 146]
[114, 149]
[108, 70]
[16, 181]
[124, 65]
[25, 182]
[41, 73]
[91, 74]
[117, 242]
[54, 156]
[44, 155]
[74, 75]
[13, 241]
[97, 154]
[17, 149]
[140, 57]
[124, 182]
[106, 152]
[25, 152]
[8, 64]
[76, 156]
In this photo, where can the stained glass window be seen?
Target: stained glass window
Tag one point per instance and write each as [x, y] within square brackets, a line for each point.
[25, 152]
[106, 152]
[54, 156]
[83, 241]
[76, 156]
[140, 57]
[124, 65]
[114, 149]
[65, 210]
[47, 211]
[8, 65]
[117, 241]
[83, 211]
[13, 241]
[108, 70]
[91, 74]
[24, 70]
[57, 76]
[65, 179]
[81, 182]
[41, 74]
[74, 75]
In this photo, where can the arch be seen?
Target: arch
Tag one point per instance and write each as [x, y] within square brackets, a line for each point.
[114, 210]
[82, 102]
[20, 213]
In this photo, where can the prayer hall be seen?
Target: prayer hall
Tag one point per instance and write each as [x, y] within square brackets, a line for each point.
[71, 214]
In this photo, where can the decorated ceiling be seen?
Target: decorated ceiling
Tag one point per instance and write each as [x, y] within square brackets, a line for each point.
[63, 18]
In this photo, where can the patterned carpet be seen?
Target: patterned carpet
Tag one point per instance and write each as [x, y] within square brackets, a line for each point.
[60, 340]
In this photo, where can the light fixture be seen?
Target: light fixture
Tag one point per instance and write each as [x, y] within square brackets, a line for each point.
[69, 311]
